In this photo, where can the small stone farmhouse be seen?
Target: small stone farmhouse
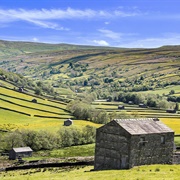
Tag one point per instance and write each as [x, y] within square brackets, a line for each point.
[124, 143]
[20, 152]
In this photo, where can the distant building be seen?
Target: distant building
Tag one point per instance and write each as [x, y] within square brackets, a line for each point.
[142, 105]
[34, 100]
[121, 107]
[20, 152]
[21, 89]
[171, 110]
[130, 102]
[68, 122]
[124, 143]
[2, 77]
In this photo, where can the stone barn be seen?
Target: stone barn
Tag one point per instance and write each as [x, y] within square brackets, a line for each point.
[34, 100]
[124, 143]
[68, 122]
[171, 111]
[21, 89]
[141, 105]
[121, 107]
[130, 103]
[20, 152]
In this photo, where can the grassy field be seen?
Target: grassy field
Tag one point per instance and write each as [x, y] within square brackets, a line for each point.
[26, 97]
[4, 83]
[173, 123]
[53, 113]
[165, 90]
[73, 151]
[130, 109]
[152, 172]
[12, 121]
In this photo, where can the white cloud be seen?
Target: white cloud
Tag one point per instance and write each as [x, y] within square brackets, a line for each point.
[49, 25]
[35, 39]
[166, 39]
[41, 16]
[106, 22]
[69, 13]
[125, 14]
[110, 34]
[101, 42]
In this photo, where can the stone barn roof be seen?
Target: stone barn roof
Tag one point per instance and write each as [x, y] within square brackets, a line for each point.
[22, 149]
[143, 126]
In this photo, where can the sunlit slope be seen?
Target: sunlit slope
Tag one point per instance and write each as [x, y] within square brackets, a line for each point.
[18, 110]
[126, 69]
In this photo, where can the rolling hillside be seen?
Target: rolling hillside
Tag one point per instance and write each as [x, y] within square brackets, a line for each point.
[84, 68]
[71, 70]
[15, 48]
[18, 110]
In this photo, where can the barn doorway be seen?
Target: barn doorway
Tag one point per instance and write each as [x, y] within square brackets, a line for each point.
[124, 162]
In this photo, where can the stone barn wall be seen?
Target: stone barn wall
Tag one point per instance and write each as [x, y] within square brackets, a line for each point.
[176, 158]
[153, 150]
[112, 148]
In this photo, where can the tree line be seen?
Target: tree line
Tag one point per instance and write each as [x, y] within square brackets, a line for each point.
[44, 140]
[151, 100]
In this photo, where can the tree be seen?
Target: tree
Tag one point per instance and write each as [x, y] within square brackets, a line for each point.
[31, 139]
[151, 102]
[89, 133]
[101, 118]
[38, 91]
[109, 98]
[113, 115]
[13, 139]
[172, 91]
[66, 137]
[85, 82]
[176, 107]
[163, 104]
[77, 136]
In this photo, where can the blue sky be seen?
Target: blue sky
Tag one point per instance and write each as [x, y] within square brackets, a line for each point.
[119, 23]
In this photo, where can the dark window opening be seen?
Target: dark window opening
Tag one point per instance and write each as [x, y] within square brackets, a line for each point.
[162, 139]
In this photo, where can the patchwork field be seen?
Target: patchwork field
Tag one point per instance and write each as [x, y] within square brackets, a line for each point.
[165, 90]
[17, 111]
[171, 120]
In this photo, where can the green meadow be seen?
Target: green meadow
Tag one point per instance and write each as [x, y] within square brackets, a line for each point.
[17, 111]
[64, 153]
[151, 172]
[12, 121]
